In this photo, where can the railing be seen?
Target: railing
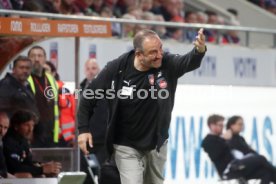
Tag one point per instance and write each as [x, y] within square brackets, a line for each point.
[219, 28]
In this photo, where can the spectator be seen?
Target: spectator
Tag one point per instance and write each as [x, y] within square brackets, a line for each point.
[145, 16]
[66, 104]
[4, 125]
[220, 20]
[6, 4]
[212, 17]
[135, 11]
[128, 29]
[229, 167]
[116, 27]
[189, 33]
[270, 6]
[17, 149]
[212, 35]
[50, 68]
[32, 5]
[231, 36]
[106, 12]
[67, 7]
[160, 30]
[97, 6]
[176, 33]
[98, 121]
[124, 5]
[167, 9]
[83, 6]
[202, 17]
[41, 6]
[15, 91]
[170, 11]
[156, 4]
[145, 5]
[17, 4]
[235, 125]
[91, 71]
[180, 6]
[112, 4]
[46, 131]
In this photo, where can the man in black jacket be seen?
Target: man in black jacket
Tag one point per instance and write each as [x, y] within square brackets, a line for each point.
[15, 92]
[229, 167]
[97, 122]
[17, 149]
[139, 121]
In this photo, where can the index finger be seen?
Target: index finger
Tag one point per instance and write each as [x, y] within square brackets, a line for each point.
[200, 31]
[82, 145]
[83, 148]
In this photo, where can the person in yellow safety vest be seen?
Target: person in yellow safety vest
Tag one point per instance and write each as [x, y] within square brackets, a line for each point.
[66, 103]
[45, 89]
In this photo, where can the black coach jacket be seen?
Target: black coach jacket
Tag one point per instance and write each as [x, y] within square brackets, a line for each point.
[111, 78]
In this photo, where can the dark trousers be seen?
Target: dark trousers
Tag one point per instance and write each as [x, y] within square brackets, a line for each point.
[253, 167]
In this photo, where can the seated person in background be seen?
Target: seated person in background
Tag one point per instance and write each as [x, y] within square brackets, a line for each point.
[17, 148]
[228, 167]
[235, 141]
[4, 125]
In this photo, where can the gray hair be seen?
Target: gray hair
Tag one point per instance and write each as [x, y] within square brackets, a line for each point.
[141, 36]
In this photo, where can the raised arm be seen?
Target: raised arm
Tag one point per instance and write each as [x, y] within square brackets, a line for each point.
[190, 61]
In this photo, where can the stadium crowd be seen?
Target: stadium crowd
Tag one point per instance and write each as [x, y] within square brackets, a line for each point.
[153, 10]
[269, 5]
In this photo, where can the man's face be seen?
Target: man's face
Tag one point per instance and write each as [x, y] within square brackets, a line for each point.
[4, 125]
[22, 70]
[217, 128]
[213, 19]
[91, 70]
[26, 129]
[152, 54]
[38, 58]
[192, 18]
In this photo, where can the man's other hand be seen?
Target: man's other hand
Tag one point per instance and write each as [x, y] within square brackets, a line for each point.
[82, 141]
